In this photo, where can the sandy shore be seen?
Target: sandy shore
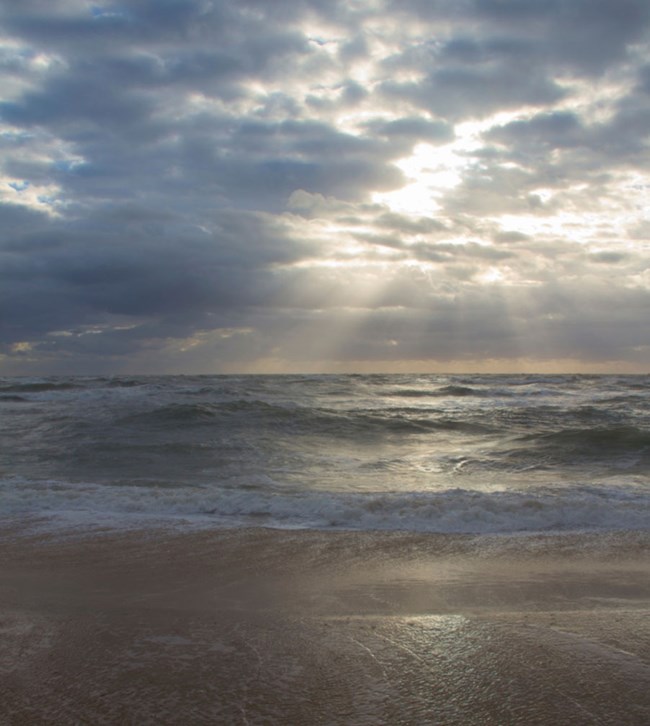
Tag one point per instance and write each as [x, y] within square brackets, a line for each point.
[268, 627]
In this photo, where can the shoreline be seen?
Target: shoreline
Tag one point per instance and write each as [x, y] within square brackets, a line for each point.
[275, 626]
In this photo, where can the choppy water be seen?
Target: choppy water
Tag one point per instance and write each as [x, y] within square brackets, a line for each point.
[425, 453]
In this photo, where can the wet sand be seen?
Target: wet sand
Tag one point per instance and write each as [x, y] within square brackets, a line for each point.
[268, 627]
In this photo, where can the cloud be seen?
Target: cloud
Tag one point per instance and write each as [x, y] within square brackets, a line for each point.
[414, 129]
[582, 35]
[558, 129]
[456, 91]
[204, 184]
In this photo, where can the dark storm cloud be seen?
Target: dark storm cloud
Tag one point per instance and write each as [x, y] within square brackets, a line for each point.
[149, 23]
[621, 136]
[513, 53]
[559, 129]
[460, 91]
[188, 178]
[586, 35]
[135, 264]
[78, 101]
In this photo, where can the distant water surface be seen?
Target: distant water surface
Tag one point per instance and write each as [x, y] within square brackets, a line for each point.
[429, 453]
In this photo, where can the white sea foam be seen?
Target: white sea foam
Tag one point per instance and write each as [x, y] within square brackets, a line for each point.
[451, 511]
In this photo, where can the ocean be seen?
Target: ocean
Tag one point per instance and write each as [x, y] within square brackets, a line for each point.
[470, 454]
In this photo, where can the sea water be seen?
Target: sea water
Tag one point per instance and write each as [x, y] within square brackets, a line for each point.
[426, 453]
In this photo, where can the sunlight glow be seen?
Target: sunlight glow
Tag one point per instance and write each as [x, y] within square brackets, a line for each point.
[493, 274]
[433, 171]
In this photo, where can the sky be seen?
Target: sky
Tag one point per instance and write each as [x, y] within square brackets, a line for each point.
[212, 186]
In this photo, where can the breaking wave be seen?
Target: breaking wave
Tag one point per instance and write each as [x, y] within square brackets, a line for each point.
[452, 511]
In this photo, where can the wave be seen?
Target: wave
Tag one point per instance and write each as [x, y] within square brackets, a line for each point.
[124, 382]
[603, 439]
[624, 400]
[401, 423]
[175, 413]
[38, 387]
[600, 450]
[184, 414]
[302, 419]
[443, 391]
[453, 391]
[464, 391]
[451, 511]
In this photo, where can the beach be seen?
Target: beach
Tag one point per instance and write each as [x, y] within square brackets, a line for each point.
[261, 626]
